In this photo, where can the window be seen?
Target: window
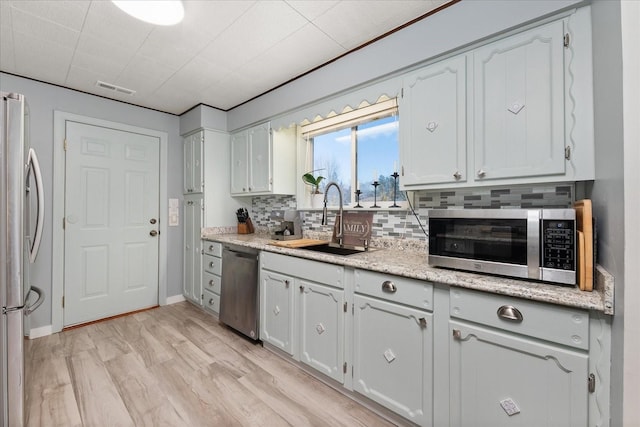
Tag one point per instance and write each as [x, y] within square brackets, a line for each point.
[355, 150]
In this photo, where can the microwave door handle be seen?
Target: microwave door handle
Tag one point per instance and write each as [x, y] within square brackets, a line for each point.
[533, 244]
[35, 166]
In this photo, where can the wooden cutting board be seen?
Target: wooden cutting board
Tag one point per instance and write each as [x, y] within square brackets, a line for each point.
[584, 224]
[298, 243]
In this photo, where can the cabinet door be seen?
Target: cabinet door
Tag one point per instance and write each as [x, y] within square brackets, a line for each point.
[519, 105]
[277, 310]
[193, 165]
[239, 166]
[393, 359]
[322, 328]
[494, 374]
[433, 126]
[260, 149]
[192, 284]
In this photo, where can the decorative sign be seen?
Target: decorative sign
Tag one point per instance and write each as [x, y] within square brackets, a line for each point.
[357, 228]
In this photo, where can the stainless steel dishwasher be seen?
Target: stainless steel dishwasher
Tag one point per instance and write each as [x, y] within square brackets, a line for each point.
[239, 290]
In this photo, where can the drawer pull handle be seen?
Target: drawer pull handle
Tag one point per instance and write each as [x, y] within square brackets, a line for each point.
[510, 313]
[389, 286]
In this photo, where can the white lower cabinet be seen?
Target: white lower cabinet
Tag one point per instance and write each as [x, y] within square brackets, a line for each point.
[211, 275]
[301, 316]
[276, 310]
[392, 357]
[321, 322]
[502, 375]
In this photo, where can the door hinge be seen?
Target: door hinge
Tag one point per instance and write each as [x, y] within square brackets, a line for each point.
[566, 40]
[402, 93]
[63, 301]
[344, 306]
[402, 167]
[591, 383]
[64, 223]
[344, 368]
[351, 371]
[65, 144]
[567, 152]
[353, 309]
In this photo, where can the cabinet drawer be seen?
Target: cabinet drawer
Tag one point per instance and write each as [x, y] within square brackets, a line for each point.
[415, 293]
[316, 271]
[550, 322]
[211, 282]
[212, 264]
[212, 248]
[211, 301]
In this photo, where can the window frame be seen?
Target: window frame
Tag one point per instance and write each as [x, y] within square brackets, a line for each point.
[349, 119]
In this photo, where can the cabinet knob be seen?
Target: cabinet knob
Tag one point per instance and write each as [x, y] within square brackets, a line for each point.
[389, 286]
[286, 283]
[153, 233]
[301, 288]
[211, 301]
[211, 264]
[211, 282]
[457, 334]
[481, 173]
[423, 322]
[510, 313]
[211, 248]
[457, 175]
[431, 126]
[249, 188]
[244, 189]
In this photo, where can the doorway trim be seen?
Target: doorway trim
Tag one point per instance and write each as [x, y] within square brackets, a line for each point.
[60, 119]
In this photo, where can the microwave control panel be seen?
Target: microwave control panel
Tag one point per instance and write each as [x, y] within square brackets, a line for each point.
[558, 248]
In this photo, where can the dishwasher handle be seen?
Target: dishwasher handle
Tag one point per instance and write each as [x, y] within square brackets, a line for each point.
[241, 254]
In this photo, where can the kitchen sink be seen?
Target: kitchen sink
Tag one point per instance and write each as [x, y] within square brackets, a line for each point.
[335, 250]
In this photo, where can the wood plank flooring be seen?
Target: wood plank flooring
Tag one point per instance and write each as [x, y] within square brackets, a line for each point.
[174, 366]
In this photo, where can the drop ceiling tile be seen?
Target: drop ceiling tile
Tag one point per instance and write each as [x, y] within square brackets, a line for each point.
[199, 74]
[312, 9]
[98, 63]
[352, 22]
[105, 21]
[43, 29]
[286, 59]
[144, 74]
[119, 54]
[266, 23]
[171, 99]
[213, 17]
[85, 80]
[69, 14]
[42, 59]
[7, 59]
[174, 46]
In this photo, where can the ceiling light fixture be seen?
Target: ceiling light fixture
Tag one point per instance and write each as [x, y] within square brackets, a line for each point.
[164, 12]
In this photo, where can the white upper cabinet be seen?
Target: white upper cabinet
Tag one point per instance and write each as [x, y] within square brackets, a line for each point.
[193, 165]
[518, 110]
[518, 87]
[433, 124]
[263, 161]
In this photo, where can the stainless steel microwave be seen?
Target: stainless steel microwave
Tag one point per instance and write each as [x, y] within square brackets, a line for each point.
[537, 244]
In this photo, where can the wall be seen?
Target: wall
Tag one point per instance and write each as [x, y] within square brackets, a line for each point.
[607, 193]
[43, 100]
[631, 112]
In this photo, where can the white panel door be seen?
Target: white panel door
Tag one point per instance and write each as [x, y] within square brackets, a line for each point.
[111, 222]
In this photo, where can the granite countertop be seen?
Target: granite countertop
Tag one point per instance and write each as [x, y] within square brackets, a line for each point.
[410, 260]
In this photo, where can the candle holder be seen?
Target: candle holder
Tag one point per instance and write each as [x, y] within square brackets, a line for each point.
[395, 184]
[375, 184]
[358, 193]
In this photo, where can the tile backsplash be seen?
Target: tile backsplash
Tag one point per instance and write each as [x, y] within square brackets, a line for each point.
[402, 223]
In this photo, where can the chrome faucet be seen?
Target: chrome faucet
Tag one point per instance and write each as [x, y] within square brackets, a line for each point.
[339, 234]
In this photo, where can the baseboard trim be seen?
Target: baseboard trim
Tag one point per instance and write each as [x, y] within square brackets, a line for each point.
[174, 299]
[42, 331]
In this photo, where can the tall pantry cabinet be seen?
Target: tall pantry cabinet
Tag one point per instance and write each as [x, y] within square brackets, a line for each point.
[207, 202]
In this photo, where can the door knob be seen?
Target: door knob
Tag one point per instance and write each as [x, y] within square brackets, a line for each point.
[153, 233]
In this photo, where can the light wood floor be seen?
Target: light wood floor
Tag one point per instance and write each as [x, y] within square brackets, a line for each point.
[174, 366]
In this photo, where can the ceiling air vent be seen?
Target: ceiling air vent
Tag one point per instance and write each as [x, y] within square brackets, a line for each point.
[115, 88]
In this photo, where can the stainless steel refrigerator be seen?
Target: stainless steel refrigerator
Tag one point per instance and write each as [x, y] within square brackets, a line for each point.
[21, 222]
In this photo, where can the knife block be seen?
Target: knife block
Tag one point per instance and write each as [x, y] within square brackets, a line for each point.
[245, 227]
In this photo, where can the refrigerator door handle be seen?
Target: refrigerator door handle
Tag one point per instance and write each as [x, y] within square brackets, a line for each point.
[33, 307]
[35, 166]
